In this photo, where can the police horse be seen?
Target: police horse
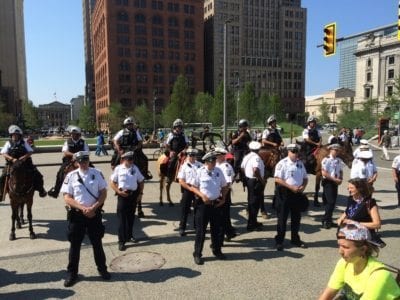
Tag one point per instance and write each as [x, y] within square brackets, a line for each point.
[313, 166]
[20, 190]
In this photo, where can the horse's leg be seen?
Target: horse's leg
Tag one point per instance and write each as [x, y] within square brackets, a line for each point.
[32, 235]
[317, 187]
[162, 179]
[14, 215]
[20, 220]
[168, 188]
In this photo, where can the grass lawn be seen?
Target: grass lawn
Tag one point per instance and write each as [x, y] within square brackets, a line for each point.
[49, 142]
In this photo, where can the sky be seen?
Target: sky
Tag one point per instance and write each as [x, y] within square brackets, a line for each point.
[55, 51]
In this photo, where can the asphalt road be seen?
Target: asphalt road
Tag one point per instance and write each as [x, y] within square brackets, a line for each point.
[35, 269]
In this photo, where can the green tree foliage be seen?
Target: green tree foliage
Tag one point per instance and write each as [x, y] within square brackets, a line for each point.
[248, 103]
[203, 103]
[6, 119]
[274, 106]
[393, 101]
[217, 108]
[116, 116]
[86, 119]
[346, 105]
[181, 105]
[29, 114]
[324, 110]
[362, 118]
[144, 116]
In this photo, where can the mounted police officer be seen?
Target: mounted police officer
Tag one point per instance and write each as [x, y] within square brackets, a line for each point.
[271, 137]
[18, 149]
[312, 140]
[71, 146]
[130, 139]
[176, 142]
[240, 144]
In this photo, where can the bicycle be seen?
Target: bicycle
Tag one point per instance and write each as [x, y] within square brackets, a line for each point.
[157, 153]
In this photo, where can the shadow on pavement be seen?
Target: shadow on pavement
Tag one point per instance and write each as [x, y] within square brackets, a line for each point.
[39, 294]
[12, 277]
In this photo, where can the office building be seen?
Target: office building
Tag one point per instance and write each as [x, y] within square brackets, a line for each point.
[139, 49]
[266, 42]
[12, 53]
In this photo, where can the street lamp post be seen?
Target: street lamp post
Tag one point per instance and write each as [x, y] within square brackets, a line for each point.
[237, 101]
[225, 77]
[154, 111]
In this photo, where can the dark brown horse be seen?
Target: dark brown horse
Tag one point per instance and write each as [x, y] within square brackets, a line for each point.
[20, 190]
[270, 157]
[345, 154]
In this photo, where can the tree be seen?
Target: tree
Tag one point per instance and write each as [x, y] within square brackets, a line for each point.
[248, 103]
[217, 108]
[6, 119]
[144, 116]
[86, 120]
[116, 116]
[274, 106]
[393, 101]
[203, 104]
[181, 105]
[324, 110]
[29, 114]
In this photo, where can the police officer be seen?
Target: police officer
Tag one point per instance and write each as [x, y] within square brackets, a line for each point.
[312, 138]
[291, 180]
[271, 137]
[85, 191]
[176, 142]
[332, 172]
[187, 174]
[128, 183]
[211, 189]
[71, 146]
[229, 174]
[240, 141]
[364, 167]
[18, 149]
[364, 146]
[253, 169]
[396, 176]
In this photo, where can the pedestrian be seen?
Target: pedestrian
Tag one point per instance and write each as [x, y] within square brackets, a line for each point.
[291, 179]
[253, 169]
[85, 191]
[72, 145]
[240, 145]
[100, 144]
[186, 175]
[128, 183]
[16, 148]
[364, 167]
[361, 207]
[229, 174]
[385, 143]
[396, 176]
[332, 173]
[358, 274]
[211, 189]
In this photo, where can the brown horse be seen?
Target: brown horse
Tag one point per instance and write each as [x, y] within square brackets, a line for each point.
[20, 190]
[270, 157]
[345, 154]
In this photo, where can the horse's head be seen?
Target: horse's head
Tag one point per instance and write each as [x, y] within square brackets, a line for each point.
[270, 157]
[346, 154]
[21, 178]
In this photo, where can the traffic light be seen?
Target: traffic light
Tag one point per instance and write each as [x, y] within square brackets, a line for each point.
[330, 39]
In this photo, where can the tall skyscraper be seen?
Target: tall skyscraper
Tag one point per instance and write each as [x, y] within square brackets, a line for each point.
[266, 42]
[12, 53]
[139, 49]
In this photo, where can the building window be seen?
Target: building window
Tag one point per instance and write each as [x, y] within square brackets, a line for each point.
[141, 67]
[158, 68]
[173, 22]
[391, 74]
[389, 91]
[157, 20]
[157, 5]
[189, 69]
[122, 16]
[139, 18]
[173, 69]
[188, 23]
[367, 93]
[391, 60]
[368, 76]
[369, 63]
[173, 7]
[140, 3]
[121, 2]
[124, 66]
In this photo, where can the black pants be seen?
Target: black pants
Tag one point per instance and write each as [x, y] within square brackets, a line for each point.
[186, 202]
[238, 157]
[126, 207]
[226, 215]
[285, 204]
[77, 227]
[330, 193]
[398, 191]
[255, 195]
[205, 214]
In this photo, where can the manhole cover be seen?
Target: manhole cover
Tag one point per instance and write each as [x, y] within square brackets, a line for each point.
[136, 262]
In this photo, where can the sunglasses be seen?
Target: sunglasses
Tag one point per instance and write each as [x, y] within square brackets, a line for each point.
[83, 160]
[294, 151]
[191, 154]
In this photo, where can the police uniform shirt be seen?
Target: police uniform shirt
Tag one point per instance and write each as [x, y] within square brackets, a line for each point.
[357, 152]
[292, 172]
[268, 131]
[333, 166]
[251, 161]
[187, 172]
[227, 170]
[65, 146]
[305, 133]
[171, 136]
[209, 182]
[121, 132]
[359, 169]
[127, 178]
[93, 179]
[396, 163]
[7, 147]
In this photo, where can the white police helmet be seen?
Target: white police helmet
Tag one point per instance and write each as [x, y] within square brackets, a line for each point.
[271, 119]
[81, 156]
[311, 119]
[75, 129]
[177, 122]
[129, 120]
[14, 129]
